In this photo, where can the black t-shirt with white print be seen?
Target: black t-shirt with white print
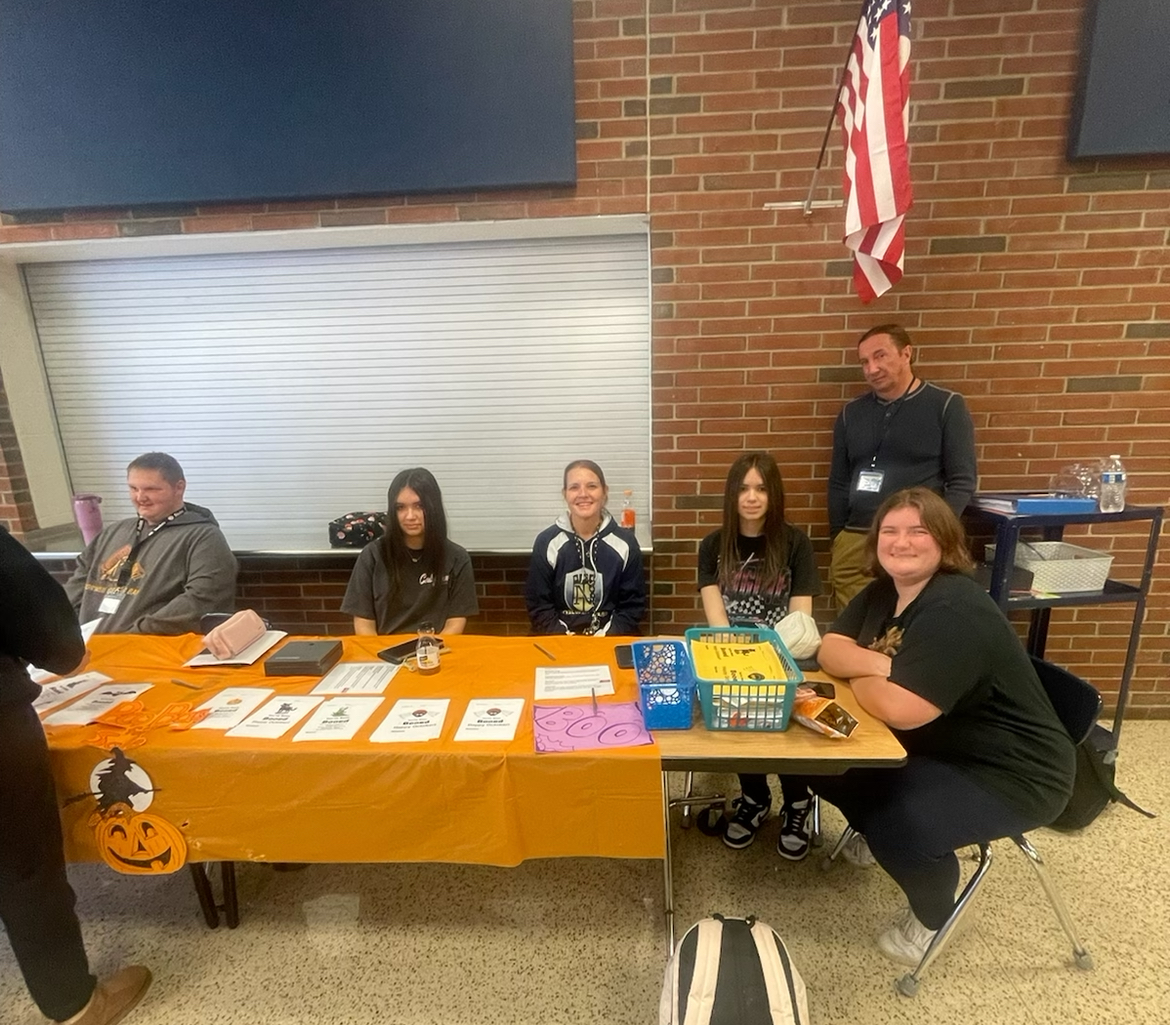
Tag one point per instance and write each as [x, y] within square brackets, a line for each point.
[422, 599]
[744, 598]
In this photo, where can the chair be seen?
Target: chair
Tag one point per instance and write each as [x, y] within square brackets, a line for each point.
[1078, 706]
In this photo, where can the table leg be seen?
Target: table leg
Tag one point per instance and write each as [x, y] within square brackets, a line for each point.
[203, 892]
[667, 866]
[231, 901]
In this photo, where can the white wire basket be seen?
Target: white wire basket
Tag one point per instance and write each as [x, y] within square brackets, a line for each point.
[1060, 568]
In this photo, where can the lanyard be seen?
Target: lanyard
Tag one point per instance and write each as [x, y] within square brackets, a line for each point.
[891, 411]
[127, 569]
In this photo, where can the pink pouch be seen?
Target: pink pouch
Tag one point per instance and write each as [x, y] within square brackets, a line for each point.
[231, 637]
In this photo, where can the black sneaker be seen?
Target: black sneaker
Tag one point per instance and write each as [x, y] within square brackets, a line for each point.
[794, 830]
[746, 819]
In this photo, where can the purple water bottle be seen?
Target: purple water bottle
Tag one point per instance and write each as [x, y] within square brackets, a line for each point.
[88, 514]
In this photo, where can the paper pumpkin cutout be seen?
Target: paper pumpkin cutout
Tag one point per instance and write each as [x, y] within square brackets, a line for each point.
[139, 843]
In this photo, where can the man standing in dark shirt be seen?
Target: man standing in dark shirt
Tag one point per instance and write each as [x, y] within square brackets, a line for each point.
[903, 433]
[37, 625]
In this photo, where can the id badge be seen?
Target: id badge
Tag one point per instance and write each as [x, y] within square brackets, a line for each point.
[870, 480]
[111, 602]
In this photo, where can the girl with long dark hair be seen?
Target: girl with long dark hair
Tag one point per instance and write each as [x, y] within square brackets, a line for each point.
[414, 574]
[758, 569]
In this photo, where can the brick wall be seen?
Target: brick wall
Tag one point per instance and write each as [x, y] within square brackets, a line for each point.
[303, 594]
[16, 506]
[1038, 289]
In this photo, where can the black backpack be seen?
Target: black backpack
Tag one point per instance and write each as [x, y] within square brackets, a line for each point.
[1094, 787]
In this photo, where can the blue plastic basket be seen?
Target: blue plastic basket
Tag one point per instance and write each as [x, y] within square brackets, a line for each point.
[740, 705]
[667, 683]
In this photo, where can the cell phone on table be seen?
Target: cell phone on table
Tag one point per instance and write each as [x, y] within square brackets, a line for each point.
[624, 653]
[396, 654]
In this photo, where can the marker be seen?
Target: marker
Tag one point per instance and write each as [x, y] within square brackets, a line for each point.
[544, 651]
[593, 692]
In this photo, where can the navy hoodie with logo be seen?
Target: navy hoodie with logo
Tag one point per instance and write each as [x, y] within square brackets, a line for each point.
[578, 586]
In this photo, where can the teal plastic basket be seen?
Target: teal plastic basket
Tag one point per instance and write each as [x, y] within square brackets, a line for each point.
[743, 704]
[667, 684]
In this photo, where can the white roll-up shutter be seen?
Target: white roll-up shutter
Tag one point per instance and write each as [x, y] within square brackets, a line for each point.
[293, 385]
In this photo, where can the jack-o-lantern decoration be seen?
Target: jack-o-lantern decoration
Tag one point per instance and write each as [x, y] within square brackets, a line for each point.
[139, 843]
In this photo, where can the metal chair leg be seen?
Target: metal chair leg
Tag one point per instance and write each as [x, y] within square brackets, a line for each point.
[846, 836]
[710, 806]
[1081, 957]
[908, 984]
[816, 837]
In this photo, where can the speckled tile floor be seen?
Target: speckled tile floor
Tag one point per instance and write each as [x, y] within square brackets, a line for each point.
[581, 941]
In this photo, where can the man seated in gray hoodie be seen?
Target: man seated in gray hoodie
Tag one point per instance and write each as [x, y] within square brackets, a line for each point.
[159, 572]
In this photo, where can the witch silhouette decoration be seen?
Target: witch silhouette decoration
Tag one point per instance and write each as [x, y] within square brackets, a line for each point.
[129, 838]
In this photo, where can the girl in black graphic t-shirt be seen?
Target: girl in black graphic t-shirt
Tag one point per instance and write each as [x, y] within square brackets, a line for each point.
[755, 570]
[929, 653]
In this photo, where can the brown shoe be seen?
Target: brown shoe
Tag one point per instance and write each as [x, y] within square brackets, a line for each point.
[114, 998]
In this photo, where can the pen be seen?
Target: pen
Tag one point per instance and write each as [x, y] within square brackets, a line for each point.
[593, 692]
[184, 683]
[544, 651]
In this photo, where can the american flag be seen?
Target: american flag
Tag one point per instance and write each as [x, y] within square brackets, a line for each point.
[874, 118]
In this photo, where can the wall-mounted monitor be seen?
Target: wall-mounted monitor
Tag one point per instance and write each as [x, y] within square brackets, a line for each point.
[128, 103]
[1122, 104]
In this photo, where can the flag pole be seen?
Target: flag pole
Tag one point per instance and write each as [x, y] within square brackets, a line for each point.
[808, 200]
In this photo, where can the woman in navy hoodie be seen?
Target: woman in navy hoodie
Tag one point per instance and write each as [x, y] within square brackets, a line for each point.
[586, 572]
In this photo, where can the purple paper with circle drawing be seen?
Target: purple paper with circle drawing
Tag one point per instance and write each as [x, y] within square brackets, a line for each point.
[579, 728]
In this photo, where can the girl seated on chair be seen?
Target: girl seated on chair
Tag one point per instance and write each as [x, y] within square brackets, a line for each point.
[930, 654]
[585, 575]
[758, 570]
[413, 574]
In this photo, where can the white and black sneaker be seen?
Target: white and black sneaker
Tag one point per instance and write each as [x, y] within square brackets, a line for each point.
[794, 830]
[746, 819]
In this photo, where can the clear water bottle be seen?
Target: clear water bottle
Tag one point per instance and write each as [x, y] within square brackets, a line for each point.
[427, 649]
[1112, 496]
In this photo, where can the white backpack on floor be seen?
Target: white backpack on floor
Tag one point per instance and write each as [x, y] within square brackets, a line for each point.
[732, 971]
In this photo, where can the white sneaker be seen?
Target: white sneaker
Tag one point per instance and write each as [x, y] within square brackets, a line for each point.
[906, 940]
[856, 851]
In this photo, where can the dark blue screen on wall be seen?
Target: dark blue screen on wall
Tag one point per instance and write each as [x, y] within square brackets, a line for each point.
[133, 102]
[1122, 104]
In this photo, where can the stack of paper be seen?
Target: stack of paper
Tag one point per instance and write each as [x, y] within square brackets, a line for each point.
[490, 719]
[66, 689]
[338, 719]
[276, 718]
[715, 660]
[231, 707]
[89, 708]
[412, 719]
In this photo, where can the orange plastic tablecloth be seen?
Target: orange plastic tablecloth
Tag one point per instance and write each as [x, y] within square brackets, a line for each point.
[482, 802]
